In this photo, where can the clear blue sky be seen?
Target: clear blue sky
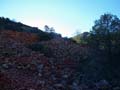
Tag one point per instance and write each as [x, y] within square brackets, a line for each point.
[66, 16]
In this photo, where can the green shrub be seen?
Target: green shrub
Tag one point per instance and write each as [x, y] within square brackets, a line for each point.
[41, 48]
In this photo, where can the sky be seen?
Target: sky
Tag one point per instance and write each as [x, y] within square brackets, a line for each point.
[66, 16]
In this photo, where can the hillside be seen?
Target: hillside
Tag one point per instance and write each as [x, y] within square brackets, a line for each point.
[31, 59]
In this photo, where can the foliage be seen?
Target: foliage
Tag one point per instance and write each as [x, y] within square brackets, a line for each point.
[41, 48]
[44, 36]
[81, 38]
[105, 30]
[105, 34]
[104, 38]
[48, 29]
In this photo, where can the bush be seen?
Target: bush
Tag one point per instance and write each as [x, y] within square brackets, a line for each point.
[41, 48]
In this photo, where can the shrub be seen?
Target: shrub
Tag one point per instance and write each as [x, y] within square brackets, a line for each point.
[41, 48]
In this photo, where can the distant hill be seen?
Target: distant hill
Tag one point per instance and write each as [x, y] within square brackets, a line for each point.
[7, 24]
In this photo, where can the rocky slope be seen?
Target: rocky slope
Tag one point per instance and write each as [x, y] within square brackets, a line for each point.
[23, 68]
[28, 61]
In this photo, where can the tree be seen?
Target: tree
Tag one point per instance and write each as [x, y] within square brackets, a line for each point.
[52, 29]
[105, 36]
[46, 27]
